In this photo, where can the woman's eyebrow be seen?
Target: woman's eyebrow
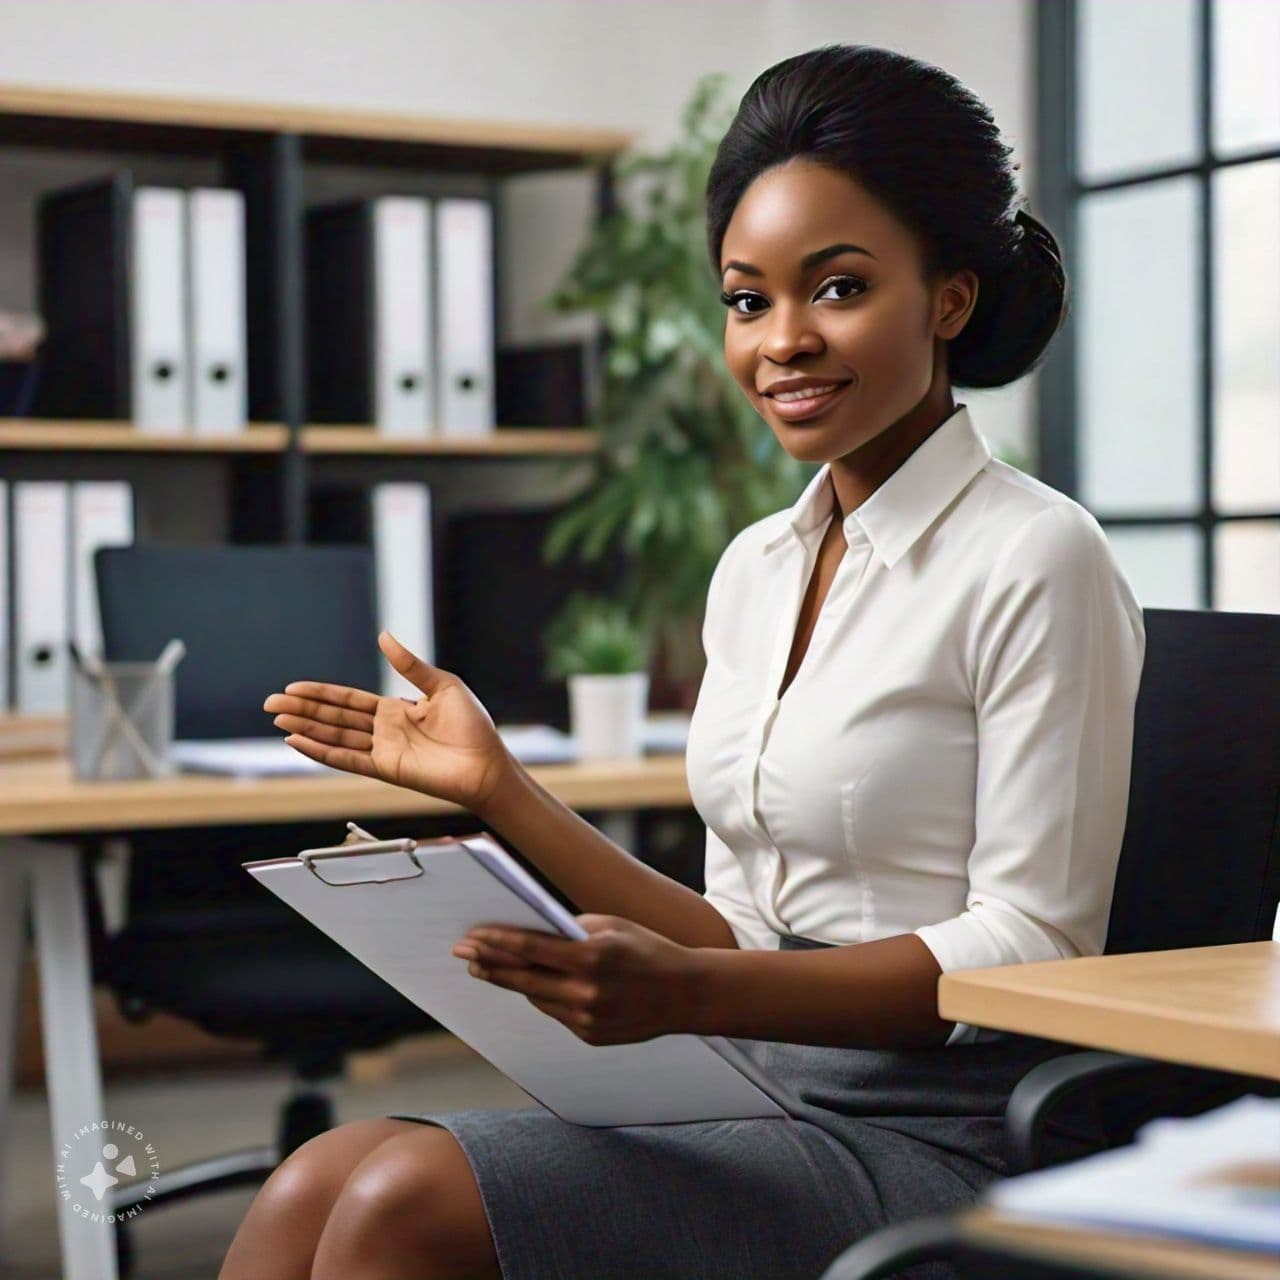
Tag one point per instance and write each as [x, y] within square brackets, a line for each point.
[809, 260]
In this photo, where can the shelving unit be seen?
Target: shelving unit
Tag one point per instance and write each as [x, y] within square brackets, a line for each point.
[264, 149]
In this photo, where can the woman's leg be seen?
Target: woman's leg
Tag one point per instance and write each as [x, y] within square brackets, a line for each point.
[410, 1210]
[278, 1236]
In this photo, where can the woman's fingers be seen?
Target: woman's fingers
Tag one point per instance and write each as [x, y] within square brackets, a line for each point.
[340, 695]
[314, 709]
[536, 982]
[326, 733]
[419, 673]
[335, 757]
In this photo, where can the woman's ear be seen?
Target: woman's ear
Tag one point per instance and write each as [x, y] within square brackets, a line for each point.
[956, 299]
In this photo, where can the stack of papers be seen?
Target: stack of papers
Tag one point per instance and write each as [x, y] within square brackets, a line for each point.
[529, 743]
[240, 757]
[1214, 1178]
[545, 744]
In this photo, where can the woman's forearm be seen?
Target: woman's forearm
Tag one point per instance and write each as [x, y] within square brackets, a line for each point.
[598, 875]
[874, 995]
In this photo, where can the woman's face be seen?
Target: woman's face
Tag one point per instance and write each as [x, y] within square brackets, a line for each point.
[858, 314]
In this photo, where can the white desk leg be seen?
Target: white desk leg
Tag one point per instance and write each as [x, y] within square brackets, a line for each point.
[13, 938]
[72, 1067]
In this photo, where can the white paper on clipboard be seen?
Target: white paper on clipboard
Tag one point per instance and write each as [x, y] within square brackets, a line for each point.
[400, 910]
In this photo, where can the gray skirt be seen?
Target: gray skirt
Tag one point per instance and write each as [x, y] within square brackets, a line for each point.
[878, 1136]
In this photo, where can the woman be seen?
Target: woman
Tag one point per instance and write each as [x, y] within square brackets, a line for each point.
[910, 747]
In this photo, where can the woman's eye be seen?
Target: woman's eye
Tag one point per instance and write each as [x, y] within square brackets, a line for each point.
[848, 283]
[837, 281]
[732, 300]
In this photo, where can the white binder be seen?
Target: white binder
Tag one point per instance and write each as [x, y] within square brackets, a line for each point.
[403, 379]
[464, 254]
[216, 311]
[101, 516]
[402, 567]
[158, 311]
[399, 906]
[41, 589]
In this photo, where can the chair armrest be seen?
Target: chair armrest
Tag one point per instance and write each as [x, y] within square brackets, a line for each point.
[1048, 1083]
[886, 1251]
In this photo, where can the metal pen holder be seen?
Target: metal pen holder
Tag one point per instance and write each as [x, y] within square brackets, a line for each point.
[122, 719]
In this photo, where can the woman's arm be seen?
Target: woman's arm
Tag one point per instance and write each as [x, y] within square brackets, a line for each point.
[598, 875]
[626, 983]
[877, 995]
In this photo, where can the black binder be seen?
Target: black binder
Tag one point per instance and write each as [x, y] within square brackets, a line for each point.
[83, 287]
[341, 371]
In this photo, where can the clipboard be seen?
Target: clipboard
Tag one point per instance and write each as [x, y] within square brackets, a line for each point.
[399, 906]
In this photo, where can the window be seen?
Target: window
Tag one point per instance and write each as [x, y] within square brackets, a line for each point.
[1159, 141]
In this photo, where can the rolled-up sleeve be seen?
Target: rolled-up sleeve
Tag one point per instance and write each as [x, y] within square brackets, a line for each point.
[1055, 653]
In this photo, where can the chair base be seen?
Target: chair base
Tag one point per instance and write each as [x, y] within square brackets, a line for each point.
[217, 1173]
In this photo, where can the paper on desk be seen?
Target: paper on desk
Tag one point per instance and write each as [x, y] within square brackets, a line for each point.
[1214, 1177]
[240, 757]
[529, 743]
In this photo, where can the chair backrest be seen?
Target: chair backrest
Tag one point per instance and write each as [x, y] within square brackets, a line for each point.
[1200, 863]
[253, 618]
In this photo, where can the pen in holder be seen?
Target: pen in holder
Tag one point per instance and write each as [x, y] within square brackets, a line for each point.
[122, 715]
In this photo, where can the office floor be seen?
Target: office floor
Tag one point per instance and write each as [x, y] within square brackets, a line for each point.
[201, 1114]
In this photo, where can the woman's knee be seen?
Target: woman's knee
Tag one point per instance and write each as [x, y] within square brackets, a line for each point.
[312, 1176]
[279, 1233]
[414, 1196]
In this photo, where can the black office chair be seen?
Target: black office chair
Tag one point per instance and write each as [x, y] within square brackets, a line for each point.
[1199, 867]
[201, 939]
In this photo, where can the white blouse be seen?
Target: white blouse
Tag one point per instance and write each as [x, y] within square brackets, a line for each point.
[952, 756]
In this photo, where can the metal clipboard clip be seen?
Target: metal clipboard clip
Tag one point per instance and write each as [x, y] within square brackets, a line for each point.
[358, 842]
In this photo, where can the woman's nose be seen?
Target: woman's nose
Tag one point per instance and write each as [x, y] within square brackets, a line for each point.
[789, 331]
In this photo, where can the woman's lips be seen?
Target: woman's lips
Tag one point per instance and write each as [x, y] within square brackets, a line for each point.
[809, 407]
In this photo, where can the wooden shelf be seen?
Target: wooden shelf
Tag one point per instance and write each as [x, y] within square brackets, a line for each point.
[109, 436]
[503, 442]
[38, 434]
[42, 115]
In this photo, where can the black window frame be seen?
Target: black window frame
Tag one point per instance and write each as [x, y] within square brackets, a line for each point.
[1060, 192]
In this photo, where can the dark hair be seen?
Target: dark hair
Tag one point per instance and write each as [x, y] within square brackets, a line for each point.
[929, 150]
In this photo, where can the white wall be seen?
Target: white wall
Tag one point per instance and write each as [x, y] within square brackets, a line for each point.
[628, 64]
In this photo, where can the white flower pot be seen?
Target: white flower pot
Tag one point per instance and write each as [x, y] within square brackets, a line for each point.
[607, 714]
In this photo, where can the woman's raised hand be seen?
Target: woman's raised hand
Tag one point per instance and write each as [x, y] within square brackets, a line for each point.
[444, 745]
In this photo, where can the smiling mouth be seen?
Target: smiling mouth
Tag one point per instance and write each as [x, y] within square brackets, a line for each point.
[795, 409]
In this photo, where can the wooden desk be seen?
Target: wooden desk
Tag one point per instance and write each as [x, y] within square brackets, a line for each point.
[1215, 1007]
[39, 797]
[1113, 1253]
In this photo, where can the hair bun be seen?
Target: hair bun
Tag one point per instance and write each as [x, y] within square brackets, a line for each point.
[1037, 236]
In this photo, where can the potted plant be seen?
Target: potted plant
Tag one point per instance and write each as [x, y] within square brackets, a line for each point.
[604, 654]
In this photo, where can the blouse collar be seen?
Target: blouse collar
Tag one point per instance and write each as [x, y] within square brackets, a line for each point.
[906, 503]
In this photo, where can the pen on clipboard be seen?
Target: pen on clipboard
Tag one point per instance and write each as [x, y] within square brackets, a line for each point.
[360, 833]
